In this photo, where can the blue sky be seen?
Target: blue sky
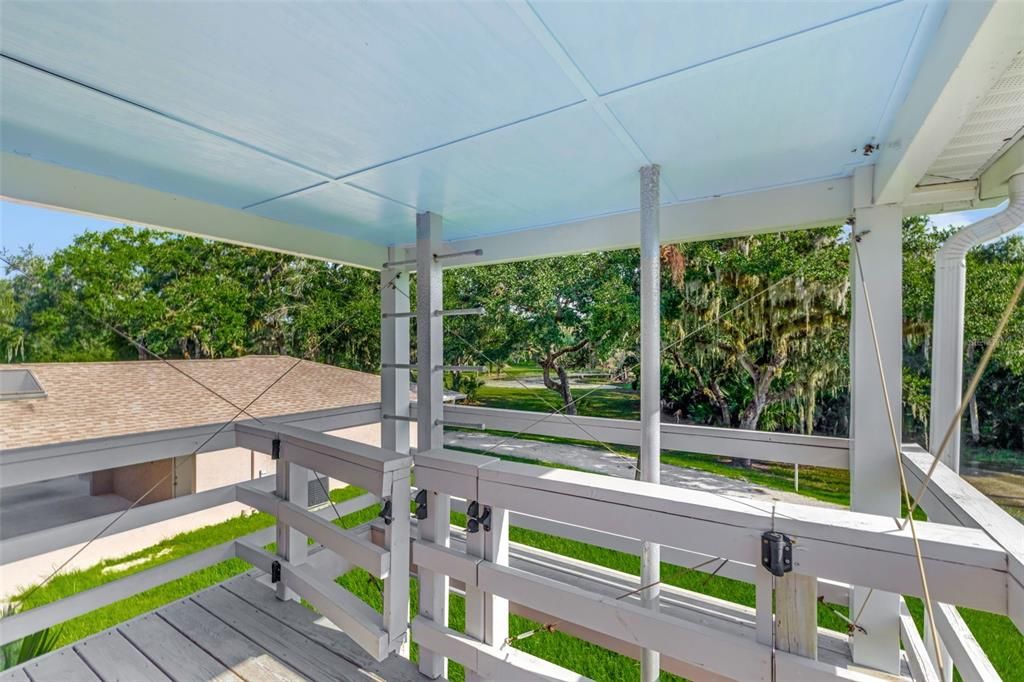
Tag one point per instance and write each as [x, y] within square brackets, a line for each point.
[42, 229]
[47, 230]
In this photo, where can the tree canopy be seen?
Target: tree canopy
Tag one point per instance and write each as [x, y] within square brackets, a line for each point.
[755, 329]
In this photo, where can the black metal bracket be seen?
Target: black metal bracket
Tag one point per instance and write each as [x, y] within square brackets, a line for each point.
[275, 572]
[776, 553]
[385, 513]
[421, 505]
[478, 519]
[275, 449]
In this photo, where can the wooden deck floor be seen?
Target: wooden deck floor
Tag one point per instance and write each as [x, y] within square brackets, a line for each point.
[235, 631]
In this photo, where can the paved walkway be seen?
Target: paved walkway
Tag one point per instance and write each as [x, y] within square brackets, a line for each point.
[602, 461]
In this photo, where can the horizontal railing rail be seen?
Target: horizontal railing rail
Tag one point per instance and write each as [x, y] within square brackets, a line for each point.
[68, 535]
[833, 548]
[32, 620]
[822, 451]
[921, 666]
[832, 543]
[950, 499]
[369, 467]
[355, 548]
[19, 466]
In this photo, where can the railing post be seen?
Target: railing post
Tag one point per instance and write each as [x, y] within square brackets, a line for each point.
[486, 613]
[650, 388]
[293, 486]
[429, 432]
[394, 400]
[796, 607]
[874, 465]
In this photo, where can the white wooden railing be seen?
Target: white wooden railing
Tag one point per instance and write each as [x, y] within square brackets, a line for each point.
[385, 475]
[968, 541]
[832, 547]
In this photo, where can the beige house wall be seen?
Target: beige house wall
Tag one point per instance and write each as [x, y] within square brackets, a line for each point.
[211, 470]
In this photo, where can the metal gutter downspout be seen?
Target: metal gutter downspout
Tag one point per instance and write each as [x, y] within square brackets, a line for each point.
[948, 317]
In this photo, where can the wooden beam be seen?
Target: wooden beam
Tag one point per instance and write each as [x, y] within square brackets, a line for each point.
[358, 620]
[352, 547]
[28, 181]
[792, 207]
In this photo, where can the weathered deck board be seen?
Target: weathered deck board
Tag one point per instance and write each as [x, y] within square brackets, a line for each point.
[62, 665]
[115, 659]
[231, 632]
[174, 653]
[321, 630]
[225, 644]
[308, 657]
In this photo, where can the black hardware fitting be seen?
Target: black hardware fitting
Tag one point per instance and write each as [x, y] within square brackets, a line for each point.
[777, 553]
[421, 505]
[478, 519]
[385, 512]
[275, 572]
[275, 449]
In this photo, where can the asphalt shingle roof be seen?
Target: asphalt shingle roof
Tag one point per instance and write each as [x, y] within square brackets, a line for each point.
[101, 399]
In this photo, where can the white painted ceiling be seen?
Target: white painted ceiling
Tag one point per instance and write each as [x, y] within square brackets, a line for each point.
[350, 117]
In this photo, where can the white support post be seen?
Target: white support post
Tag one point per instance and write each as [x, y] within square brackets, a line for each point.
[394, 400]
[650, 387]
[874, 468]
[292, 485]
[394, 350]
[486, 613]
[429, 433]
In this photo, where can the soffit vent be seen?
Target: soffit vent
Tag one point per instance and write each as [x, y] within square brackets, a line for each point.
[19, 384]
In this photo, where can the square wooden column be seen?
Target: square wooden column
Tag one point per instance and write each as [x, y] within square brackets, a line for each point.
[429, 432]
[394, 400]
[874, 468]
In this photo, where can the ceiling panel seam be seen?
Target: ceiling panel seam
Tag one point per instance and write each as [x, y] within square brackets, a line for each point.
[163, 114]
[356, 175]
[749, 48]
[889, 111]
[564, 60]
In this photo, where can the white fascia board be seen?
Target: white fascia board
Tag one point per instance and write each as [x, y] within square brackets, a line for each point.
[825, 202]
[28, 181]
[974, 44]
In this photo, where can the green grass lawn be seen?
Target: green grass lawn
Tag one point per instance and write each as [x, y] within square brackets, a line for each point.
[599, 403]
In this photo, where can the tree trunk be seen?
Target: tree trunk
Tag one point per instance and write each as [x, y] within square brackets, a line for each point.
[975, 425]
[565, 392]
[973, 405]
[561, 386]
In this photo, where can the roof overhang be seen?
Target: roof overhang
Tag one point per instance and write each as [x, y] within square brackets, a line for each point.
[759, 122]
